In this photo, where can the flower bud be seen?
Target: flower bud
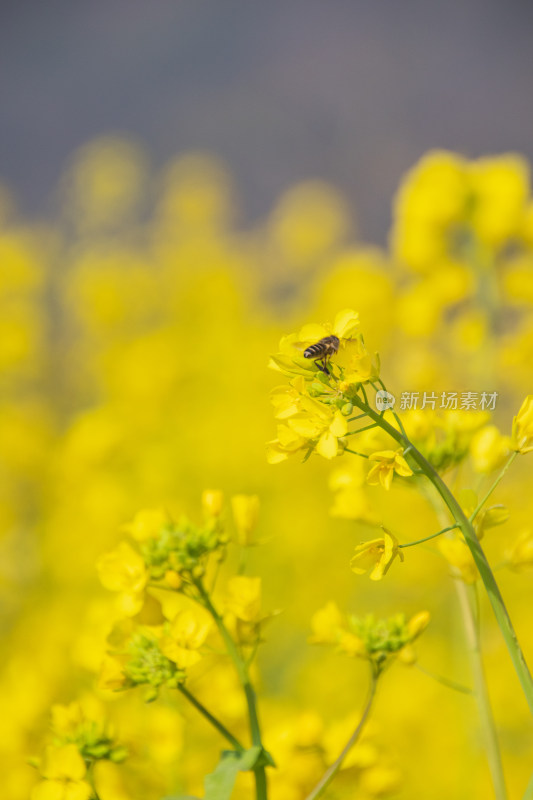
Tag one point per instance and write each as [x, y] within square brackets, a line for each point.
[245, 513]
[212, 502]
[522, 433]
[172, 579]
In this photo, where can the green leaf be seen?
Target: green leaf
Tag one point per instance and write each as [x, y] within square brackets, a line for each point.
[265, 759]
[180, 797]
[219, 784]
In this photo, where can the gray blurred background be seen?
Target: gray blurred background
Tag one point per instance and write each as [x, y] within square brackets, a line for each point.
[348, 91]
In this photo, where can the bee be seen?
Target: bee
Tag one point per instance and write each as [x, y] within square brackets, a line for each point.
[322, 351]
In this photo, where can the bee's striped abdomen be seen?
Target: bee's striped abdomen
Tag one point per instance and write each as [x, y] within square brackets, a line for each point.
[327, 346]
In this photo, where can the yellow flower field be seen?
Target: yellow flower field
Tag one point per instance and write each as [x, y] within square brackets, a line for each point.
[213, 540]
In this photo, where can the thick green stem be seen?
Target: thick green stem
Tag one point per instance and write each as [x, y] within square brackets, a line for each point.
[492, 589]
[332, 771]
[210, 718]
[242, 671]
[488, 727]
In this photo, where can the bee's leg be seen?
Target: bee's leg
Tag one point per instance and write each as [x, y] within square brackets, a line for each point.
[322, 365]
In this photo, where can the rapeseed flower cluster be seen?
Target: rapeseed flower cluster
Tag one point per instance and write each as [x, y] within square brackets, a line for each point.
[377, 641]
[81, 741]
[132, 350]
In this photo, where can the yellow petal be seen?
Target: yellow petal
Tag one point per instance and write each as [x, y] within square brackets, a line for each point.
[244, 598]
[418, 623]
[78, 791]
[339, 426]
[181, 656]
[325, 624]
[274, 454]
[147, 524]
[327, 445]
[401, 467]
[346, 323]
[63, 762]
[245, 513]
[373, 477]
[212, 502]
[313, 332]
[112, 674]
[48, 790]
[385, 475]
[122, 570]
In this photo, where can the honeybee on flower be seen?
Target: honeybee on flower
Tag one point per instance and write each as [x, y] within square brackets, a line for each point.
[300, 353]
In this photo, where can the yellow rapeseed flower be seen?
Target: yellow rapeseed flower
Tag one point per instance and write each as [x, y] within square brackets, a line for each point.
[112, 675]
[244, 598]
[242, 614]
[489, 449]
[290, 360]
[458, 555]
[522, 432]
[122, 570]
[187, 634]
[147, 524]
[212, 502]
[64, 772]
[520, 555]
[350, 496]
[345, 324]
[245, 513]
[388, 463]
[288, 443]
[377, 555]
[308, 424]
[500, 189]
[326, 624]
[359, 365]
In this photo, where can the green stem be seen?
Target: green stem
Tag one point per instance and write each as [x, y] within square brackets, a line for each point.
[494, 485]
[480, 686]
[491, 587]
[528, 794]
[332, 771]
[360, 430]
[210, 718]
[427, 538]
[90, 777]
[394, 414]
[241, 569]
[355, 453]
[242, 672]
[458, 687]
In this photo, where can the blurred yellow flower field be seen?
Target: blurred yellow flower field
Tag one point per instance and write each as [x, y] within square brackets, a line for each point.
[161, 538]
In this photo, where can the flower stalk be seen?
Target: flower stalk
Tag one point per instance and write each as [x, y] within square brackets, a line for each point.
[242, 671]
[335, 767]
[211, 719]
[471, 539]
[467, 602]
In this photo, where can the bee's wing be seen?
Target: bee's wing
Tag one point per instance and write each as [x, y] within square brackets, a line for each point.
[301, 345]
